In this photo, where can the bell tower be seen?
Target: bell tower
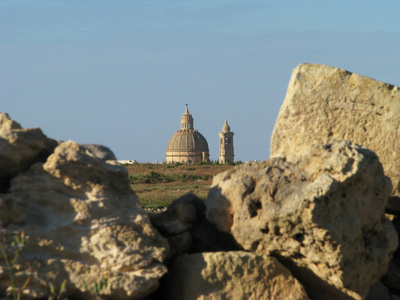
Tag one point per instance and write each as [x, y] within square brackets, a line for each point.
[226, 154]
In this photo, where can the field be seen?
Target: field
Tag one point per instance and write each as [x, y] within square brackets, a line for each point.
[157, 185]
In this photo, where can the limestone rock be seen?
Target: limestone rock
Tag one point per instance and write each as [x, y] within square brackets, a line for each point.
[230, 275]
[187, 230]
[324, 103]
[392, 276]
[207, 238]
[179, 216]
[323, 217]
[100, 151]
[378, 292]
[20, 148]
[84, 226]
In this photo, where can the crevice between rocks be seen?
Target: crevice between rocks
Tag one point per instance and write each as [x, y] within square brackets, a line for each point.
[315, 287]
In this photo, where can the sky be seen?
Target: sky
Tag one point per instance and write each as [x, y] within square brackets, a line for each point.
[119, 73]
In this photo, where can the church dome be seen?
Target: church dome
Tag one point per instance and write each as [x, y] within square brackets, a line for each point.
[187, 140]
[187, 145]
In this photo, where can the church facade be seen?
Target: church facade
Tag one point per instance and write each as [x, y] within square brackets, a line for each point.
[189, 146]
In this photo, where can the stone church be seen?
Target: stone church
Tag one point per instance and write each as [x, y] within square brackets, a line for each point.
[189, 146]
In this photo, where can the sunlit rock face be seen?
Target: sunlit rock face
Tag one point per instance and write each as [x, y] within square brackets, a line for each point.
[323, 216]
[230, 275]
[83, 225]
[20, 148]
[323, 104]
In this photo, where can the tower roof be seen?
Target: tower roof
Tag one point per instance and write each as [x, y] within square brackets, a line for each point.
[226, 127]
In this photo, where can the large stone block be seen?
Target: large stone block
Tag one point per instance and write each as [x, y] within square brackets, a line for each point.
[83, 225]
[230, 275]
[324, 103]
[323, 217]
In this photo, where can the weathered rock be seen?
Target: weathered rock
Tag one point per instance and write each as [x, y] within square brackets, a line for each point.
[378, 292]
[230, 275]
[100, 151]
[392, 276]
[84, 226]
[20, 148]
[324, 103]
[207, 238]
[323, 217]
[179, 216]
[187, 230]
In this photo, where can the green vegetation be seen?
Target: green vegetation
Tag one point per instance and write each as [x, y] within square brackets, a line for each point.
[15, 248]
[156, 177]
[97, 286]
[157, 185]
[58, 295]
[155, 204]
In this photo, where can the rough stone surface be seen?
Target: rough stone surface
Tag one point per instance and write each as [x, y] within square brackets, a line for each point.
[378, 292]
[230, 275]
[324, 103]
[187, 230]
[20, 148]
[323, 217]
[392, 276]
[100, 151]
[179, 216]
[84, 226]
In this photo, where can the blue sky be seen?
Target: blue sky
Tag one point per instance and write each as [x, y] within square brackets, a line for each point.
[119, 73]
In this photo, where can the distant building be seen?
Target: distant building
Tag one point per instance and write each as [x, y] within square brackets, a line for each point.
[226, 154]
[187, 145]
[127, 162]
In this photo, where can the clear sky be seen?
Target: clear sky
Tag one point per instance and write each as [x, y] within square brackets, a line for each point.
[119, 73]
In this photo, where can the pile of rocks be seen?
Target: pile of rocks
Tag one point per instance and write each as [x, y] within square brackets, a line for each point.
[310, 223]
[313, 229]
[81, 219]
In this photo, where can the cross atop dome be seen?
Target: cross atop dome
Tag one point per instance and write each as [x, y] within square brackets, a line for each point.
[187, 120]
[187, 109]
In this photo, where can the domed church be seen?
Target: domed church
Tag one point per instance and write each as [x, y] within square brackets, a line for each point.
[187, 145]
